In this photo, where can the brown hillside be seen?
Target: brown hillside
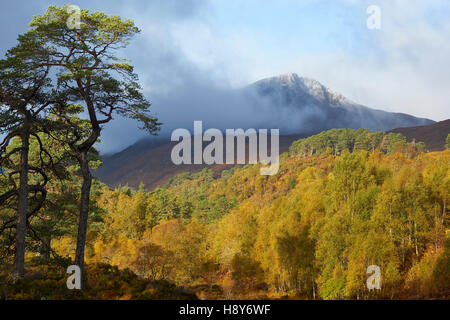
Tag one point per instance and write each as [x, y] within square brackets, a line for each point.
[150, 163]
[433, 135]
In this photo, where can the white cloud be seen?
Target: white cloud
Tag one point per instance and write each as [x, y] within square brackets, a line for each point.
[406, 71]
[183, 50]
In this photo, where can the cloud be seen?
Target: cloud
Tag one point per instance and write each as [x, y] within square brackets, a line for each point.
[191, 52]
[402, 69]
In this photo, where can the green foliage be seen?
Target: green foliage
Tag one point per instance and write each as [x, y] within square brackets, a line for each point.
[336, 141]
[104, 282]
[343, 199]
[87, 67]
[311, 231]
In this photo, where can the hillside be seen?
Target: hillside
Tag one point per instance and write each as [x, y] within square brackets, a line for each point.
[149, 162]
[310, 231]
[433, 135]
[299, 106]
[304, 105]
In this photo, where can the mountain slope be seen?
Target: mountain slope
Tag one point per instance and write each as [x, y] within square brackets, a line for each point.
[298, 106]
[316, 108]
[149, 161]
[433, 135]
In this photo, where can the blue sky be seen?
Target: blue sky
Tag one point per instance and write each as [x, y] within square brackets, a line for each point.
[205, 45]
[302, 26]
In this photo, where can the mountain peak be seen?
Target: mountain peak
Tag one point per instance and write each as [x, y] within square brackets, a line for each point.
[317, 107]
[288, 78]
[293, 84]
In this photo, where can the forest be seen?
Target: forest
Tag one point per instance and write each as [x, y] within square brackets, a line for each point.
[342, 200]
[307, 233]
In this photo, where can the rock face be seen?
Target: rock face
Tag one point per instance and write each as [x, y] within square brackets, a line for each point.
[307, 106]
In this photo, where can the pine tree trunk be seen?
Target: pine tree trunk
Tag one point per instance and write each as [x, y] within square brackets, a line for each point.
[46, 248]
[84, 213]
[19, 257]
